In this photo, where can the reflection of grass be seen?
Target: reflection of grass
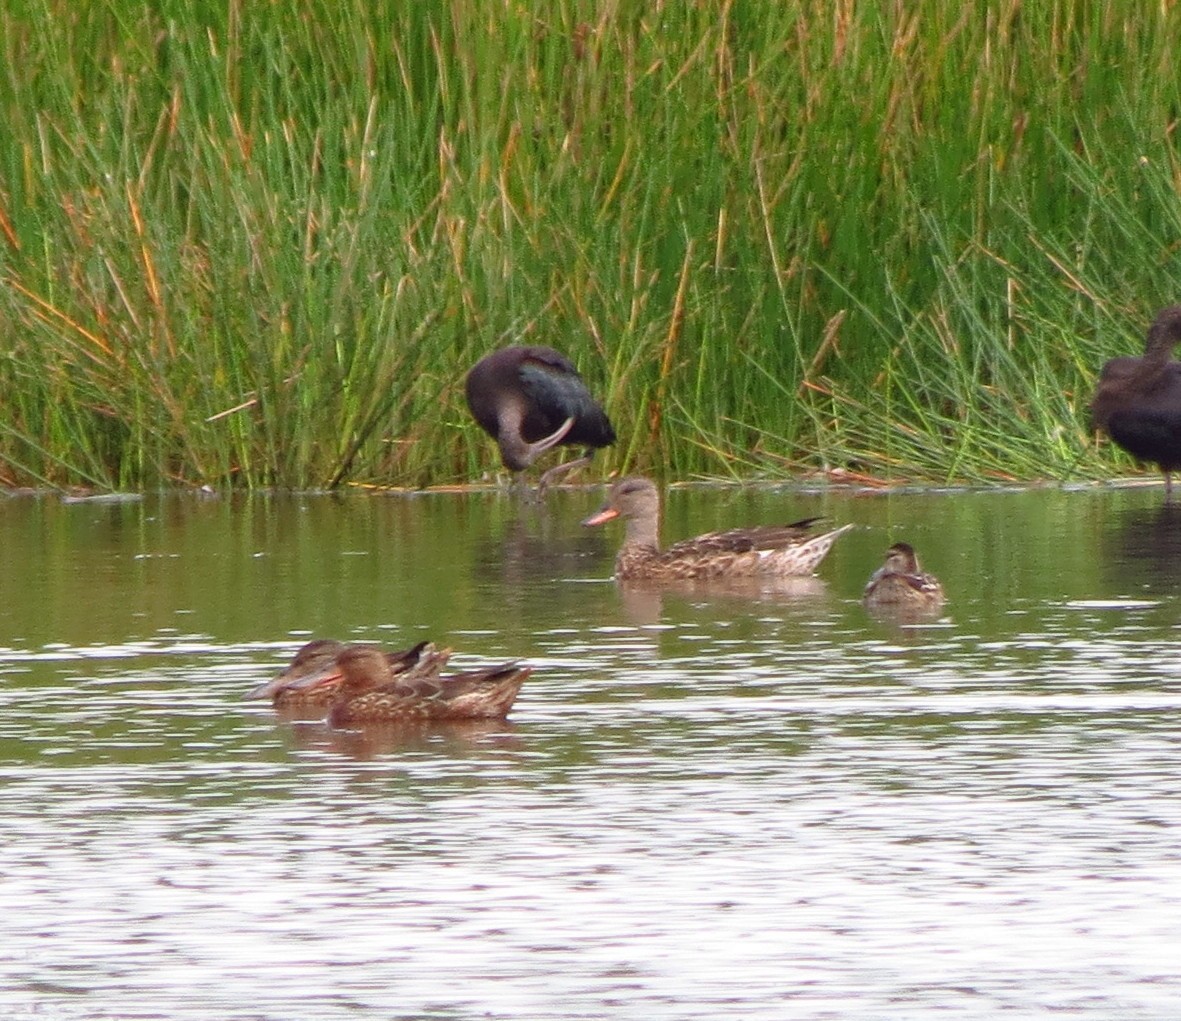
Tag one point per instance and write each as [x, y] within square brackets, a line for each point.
[892, 239]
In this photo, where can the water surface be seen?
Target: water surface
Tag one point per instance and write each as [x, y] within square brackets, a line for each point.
[743, 804]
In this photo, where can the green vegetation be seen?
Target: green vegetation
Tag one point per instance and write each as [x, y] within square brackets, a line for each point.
[259, 244]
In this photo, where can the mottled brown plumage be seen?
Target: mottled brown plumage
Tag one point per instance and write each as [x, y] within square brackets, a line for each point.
[313, 677]
[369, 691]
[1138, 400]
[758, 551]
[900, 583]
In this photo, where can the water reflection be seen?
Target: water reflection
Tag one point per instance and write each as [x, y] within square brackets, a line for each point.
[643, 602]
[375, 740]
[534, 544]
[1142, 548]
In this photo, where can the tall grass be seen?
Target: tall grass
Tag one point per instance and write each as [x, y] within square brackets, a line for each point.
[260, 244]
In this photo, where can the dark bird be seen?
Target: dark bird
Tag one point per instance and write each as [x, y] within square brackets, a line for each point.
[1138, 400]
[758, 551]
[530, 399]
[901, 584]
[314, 676]
[370, 690]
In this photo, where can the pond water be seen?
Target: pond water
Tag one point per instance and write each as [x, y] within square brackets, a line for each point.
[742, 804]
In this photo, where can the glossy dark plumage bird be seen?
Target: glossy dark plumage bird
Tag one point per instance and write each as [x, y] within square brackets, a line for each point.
[314, 676]
[901, 584]
[530, 399]
[1138, 400]
[759, 551]
[371, 691]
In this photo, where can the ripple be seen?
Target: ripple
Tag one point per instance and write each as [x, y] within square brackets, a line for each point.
[748, 806]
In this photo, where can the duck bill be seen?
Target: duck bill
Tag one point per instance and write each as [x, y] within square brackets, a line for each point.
[266, 689]
[324, 676]
[599, 518]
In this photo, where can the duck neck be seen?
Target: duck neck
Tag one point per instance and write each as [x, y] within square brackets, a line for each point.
[643, 532]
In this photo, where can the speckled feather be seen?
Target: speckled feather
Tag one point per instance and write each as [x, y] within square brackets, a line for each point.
[476, 694]
[901, 582]
[726, 555]
[761, 550]
[364, 684]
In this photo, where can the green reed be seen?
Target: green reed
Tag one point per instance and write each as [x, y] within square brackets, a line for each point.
[260, 245]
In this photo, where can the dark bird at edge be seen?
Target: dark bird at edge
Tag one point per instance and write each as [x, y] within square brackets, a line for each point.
[1138, 399]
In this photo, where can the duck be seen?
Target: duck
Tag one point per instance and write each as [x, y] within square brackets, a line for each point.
[1138, 399]
[901, 583]
[370, 690]
[313, 677]
[768, 551]
[530, 399]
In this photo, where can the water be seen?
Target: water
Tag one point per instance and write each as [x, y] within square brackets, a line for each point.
[741, 804]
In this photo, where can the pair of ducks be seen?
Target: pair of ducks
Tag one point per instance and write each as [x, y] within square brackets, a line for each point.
[766, 551]
[359, 684]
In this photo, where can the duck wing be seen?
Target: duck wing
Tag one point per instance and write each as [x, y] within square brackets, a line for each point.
[744, 540]
[423, 658]
[427, 687]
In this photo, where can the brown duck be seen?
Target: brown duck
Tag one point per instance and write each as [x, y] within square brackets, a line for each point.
[370, 691]
[530, 399]
[760, 551]
[900, 583]
[314, 676]
[1138, 400]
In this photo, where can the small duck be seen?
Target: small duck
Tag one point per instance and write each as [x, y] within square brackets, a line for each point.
[769, 551]
[369, 690]
[313, 678]
[530, 399]
[1138, 400]
[901, 584]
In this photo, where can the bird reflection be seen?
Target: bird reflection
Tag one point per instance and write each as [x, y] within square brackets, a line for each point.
[643, 602]
[378, 739]
[1142, 549]
[535, 547]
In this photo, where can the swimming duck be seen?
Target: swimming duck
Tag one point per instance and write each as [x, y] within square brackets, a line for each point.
[530, 399]
[314, 676]
[1138, 400]
[762, 550]
[370, 691]
[900, 583]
